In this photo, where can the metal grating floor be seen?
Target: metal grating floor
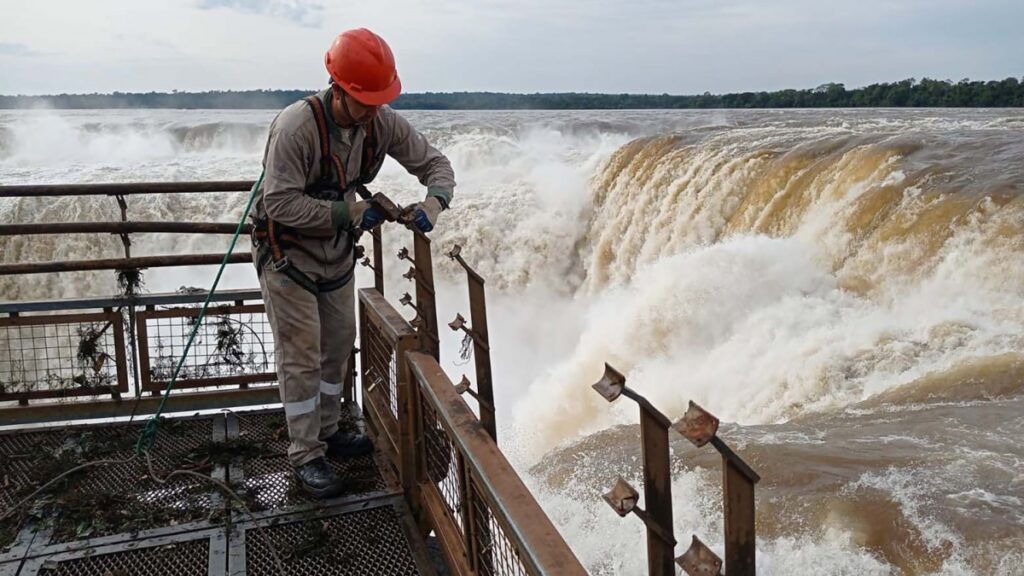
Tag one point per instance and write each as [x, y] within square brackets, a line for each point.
[107, 499]
[362, 543]
[138, 526]
[267, 477]
[179, 559]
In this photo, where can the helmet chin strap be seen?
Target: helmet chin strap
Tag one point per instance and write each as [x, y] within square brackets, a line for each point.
[344, 106]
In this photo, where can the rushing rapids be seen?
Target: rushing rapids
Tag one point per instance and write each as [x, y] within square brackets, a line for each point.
[844, 286]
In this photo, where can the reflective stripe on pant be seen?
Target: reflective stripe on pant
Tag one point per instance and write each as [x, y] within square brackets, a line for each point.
[313, 340]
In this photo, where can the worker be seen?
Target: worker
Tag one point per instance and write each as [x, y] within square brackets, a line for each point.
[312, 204]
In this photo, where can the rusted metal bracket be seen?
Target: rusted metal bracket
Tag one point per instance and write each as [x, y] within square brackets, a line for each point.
[465, 387]
[392, 212]
[700, 427]
[456, 254]
[460, 324]
[623, 498]
[414, 275]
[699, 560]
[421, 328]
[406, 300]
[657, 475]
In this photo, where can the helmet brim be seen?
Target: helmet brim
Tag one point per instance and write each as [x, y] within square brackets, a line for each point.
[378, 98]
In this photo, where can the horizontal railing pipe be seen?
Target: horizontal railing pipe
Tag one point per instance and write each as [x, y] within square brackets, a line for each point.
[122, 263]
[19, 416]
[125, 189]
[196, 296]
[121, 228]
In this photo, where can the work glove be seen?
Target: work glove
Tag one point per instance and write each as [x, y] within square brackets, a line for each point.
[424, 214]
[365, 215]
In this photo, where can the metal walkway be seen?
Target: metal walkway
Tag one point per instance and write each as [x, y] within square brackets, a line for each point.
[117, 520]
[437, 468]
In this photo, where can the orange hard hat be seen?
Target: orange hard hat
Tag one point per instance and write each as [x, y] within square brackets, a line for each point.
[362, 63]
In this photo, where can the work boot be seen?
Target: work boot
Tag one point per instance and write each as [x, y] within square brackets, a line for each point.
[318, 479]
[348, 444]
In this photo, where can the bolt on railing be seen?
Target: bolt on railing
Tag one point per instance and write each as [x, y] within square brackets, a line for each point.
[700, 428]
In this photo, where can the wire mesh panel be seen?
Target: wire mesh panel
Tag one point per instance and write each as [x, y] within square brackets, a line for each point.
[189, 558]
[115, 495]
[62, 355]
[234, 346]
[495, 554]
[269, 481]
[380, 374]
[442, 465]
[364, 543]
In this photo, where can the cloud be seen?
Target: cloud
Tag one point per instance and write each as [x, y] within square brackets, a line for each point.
[301, 12]
[653, 46]
[14, 49]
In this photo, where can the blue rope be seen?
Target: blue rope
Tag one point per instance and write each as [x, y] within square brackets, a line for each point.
[149, 432]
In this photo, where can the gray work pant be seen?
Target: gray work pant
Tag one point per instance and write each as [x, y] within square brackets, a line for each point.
[313, 340]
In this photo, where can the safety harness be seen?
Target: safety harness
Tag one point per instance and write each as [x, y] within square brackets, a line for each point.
[271, 238]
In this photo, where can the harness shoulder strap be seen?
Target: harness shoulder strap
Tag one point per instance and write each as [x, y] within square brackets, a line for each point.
[321, 128]
[369, 153]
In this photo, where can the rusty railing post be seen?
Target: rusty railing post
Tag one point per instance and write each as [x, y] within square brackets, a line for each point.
[424, 278]
[481, 343]
[378, 260]
[349, 378]
[738, 479]
[657, 476]
[408, 418]
[126, 241]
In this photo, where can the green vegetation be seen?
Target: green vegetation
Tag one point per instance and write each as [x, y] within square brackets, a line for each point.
[906, 93]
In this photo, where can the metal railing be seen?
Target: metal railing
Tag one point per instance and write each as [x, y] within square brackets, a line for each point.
[62, 356]
[457, 483]
[492, 536]
[455, 478]
[91, 359]
[738, 480]
[66, 366]
[124, 228]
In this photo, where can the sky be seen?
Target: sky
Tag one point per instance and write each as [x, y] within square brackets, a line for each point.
[525, 46]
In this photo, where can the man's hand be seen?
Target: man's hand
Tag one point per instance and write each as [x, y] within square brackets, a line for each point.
[367, 214]
[424, 214]
[362, 214]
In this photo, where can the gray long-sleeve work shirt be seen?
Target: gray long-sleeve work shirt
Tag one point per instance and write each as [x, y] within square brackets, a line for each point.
[292, 162]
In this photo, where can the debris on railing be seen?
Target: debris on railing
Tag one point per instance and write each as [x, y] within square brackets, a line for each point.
[460, 324]
[477, 336]
[130, 281]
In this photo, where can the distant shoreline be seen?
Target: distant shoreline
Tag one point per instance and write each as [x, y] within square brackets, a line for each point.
[910, 93]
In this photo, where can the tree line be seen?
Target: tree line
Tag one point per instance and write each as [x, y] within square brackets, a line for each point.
[922, 93]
